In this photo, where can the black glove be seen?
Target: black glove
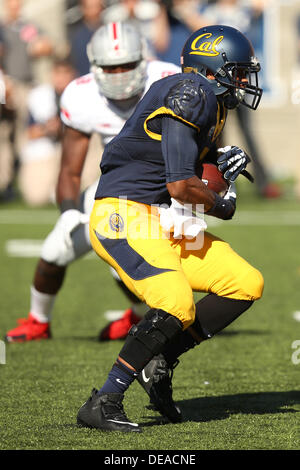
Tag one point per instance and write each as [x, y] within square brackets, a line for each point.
[232, 162]
[222, 208]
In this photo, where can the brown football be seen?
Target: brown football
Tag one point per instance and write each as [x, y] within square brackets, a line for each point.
[212, 177]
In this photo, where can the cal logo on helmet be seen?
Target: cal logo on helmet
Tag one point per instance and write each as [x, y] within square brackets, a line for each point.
[202, 46]
[228, 55]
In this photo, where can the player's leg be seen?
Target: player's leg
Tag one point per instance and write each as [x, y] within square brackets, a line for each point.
[47, 282]
[152, 270]
[213, 313]
[49, 276]
[232, 285]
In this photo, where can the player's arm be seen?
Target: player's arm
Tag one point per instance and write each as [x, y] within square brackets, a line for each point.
[180, 151]
[74, 150]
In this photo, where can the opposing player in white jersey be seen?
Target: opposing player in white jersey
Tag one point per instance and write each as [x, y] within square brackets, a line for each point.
[98, 102]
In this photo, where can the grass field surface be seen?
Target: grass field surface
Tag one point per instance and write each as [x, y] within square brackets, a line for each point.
[240, 390]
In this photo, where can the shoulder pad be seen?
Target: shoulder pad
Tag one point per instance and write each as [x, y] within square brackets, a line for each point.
[187, 100]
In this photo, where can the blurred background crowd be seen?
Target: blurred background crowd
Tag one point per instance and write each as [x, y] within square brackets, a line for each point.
[43, 48]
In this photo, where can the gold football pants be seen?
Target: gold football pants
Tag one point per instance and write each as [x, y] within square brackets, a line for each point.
[163, 271]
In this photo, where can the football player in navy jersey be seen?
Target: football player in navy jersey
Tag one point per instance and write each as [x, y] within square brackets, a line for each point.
[154, 159]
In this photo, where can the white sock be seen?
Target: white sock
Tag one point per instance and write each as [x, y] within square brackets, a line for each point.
[41, 305]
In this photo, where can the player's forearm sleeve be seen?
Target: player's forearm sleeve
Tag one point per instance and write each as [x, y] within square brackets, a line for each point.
[179, 149]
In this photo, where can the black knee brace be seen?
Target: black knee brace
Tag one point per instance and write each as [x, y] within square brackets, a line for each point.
[149, 337]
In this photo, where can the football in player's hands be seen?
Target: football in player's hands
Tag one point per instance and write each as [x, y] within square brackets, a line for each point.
[212, 177]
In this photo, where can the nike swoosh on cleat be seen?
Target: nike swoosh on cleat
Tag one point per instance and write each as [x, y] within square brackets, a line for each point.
[145, 379]
[122, 422]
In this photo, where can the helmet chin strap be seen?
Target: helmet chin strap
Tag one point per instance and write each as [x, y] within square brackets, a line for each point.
[230, 101]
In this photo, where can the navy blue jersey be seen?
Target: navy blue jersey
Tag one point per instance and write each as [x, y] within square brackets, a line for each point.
[133, 164]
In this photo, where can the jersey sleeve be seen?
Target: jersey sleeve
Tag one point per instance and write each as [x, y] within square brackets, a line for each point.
[179, 149]
[73, 109]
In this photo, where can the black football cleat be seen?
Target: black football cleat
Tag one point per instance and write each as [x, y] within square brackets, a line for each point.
[105, 412]
[156, 380]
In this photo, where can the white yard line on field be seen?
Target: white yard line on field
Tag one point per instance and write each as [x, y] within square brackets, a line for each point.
[31, 248]
[263, 218]
[26, 248]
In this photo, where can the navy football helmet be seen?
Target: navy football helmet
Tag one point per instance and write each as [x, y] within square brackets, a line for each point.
[225, 57]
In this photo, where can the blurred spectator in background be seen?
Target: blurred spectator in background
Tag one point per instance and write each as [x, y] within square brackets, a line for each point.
[247, 19]
[21, 43]
[146, 15]
[40, 155]
[7, 117]
[72, 15]
[181, 17]
[81, 32]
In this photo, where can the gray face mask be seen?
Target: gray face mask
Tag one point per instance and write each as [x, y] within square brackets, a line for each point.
[123, 85]
[114, 45]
